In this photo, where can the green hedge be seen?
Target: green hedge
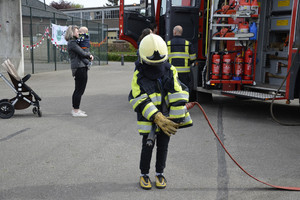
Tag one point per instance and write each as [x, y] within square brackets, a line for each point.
[130, 57]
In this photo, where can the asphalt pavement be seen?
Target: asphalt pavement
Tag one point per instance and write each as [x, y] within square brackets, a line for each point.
[57, 156]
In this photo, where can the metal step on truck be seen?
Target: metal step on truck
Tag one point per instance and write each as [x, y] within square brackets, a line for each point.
[246, 49]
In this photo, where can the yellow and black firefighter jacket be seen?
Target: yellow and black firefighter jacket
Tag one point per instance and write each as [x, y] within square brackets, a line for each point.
[181, 54]
[149, 93]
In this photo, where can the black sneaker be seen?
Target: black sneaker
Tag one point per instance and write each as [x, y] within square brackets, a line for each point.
[145, 182]
[160, 182]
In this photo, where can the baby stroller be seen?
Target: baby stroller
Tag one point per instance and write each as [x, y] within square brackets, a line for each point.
[25, 96]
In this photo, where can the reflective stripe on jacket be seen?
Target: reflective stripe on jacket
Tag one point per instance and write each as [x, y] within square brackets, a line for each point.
[146, 98]
[181, 54]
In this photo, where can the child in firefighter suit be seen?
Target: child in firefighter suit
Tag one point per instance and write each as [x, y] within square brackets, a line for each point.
[159, 99]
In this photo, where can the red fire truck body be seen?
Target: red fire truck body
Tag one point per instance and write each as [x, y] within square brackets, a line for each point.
[245, 48]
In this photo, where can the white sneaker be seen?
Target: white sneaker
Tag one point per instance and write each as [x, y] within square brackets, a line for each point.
[72, 111]
[82, 111]
[78, 114]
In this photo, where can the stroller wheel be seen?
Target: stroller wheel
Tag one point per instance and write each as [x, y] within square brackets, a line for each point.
[34, 110]
[4, 100]
[7, 110]
[37, 111]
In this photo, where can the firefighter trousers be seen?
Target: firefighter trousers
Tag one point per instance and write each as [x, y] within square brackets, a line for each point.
[162, 142]
[186, 79]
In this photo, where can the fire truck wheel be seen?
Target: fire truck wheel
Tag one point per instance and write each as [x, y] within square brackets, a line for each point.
[203, 97]
[193, 96]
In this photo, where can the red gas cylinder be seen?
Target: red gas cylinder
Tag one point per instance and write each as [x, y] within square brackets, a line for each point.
[215, 67]
[244, 27]
[248, 65]
[238, 67]
[226, 67]
[245, 5]
[255, 8]
[232, 3]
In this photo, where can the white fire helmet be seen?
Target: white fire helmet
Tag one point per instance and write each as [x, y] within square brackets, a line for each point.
[153, 50]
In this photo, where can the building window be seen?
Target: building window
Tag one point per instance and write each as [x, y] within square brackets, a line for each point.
[111, 14]
[86, 15]
[98, 15]
[74, 14]
[115, 14]
[107, 14]
[183, 3]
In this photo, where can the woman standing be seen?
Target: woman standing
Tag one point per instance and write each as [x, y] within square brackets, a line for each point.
[79, 69]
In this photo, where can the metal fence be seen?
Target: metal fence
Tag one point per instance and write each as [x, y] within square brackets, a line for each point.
[41, 55]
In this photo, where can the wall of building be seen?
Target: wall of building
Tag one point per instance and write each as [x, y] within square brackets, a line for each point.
[105, 15]
[11, 33]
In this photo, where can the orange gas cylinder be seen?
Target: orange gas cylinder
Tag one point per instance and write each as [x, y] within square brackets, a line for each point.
[248, 65]
[215, 67]
[238, 67]
[226, 67]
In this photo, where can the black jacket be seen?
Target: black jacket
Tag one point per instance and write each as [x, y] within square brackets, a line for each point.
[181, 54]
[76, 54]
[149, 87]
[84, 40]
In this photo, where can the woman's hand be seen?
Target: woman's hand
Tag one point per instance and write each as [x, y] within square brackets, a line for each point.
[91, 57]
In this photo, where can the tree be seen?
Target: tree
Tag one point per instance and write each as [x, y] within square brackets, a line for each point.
[76, 5]
[61, 5]
[64, 5]
[112, 3]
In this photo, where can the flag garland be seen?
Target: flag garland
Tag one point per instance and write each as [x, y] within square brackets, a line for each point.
[45, 35]
[60, 47]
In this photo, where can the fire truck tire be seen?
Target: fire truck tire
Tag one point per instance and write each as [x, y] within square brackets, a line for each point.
[193, 95]
[203, 97]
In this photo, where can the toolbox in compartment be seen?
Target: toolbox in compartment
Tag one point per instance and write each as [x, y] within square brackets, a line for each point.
[280, 23]
[282, 5]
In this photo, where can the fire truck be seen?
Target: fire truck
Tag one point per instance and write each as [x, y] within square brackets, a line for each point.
[247, 49]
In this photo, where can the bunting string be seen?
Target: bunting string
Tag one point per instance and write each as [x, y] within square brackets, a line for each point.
[60, 47]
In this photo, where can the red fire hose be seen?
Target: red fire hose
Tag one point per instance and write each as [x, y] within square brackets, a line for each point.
[190, 106]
